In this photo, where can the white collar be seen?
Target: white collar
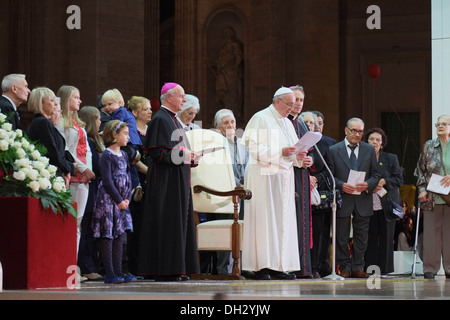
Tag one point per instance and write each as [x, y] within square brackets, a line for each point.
[347, 144]
[164, 107]
[275, 112]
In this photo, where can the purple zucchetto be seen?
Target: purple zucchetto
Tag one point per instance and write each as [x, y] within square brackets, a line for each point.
[168, 86]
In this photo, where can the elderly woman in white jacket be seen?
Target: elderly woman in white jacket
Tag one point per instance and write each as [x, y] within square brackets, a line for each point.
[72, 129]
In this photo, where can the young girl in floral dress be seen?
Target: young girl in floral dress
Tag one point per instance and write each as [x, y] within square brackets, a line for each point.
[112, 216]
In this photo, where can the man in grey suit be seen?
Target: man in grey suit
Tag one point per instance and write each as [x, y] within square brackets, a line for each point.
[353, 154]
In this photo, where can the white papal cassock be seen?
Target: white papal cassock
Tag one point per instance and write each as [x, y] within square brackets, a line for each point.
[270, 226]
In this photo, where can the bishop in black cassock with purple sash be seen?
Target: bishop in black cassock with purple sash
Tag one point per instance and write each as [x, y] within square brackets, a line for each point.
[168, 246]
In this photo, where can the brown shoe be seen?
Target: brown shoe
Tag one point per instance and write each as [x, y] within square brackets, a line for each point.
[345, 274]
[359, 274]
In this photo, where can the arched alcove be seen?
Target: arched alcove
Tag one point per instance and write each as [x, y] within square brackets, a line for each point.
[224, 58]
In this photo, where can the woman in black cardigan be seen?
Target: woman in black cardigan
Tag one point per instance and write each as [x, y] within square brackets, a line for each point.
[42, 102]
[380, 249]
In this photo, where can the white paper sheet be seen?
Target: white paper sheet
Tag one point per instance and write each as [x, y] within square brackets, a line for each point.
[435, 185]
[356, 177]
[308, 140]
[382, 192]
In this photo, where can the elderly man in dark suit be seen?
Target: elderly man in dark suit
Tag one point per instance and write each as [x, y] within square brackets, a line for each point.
[15, 92]
[353, 154]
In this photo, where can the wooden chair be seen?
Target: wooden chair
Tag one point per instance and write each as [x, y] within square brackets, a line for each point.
[223, 234]
[214, 191]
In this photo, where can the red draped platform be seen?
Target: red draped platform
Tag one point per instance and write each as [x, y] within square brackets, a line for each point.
[36, 246]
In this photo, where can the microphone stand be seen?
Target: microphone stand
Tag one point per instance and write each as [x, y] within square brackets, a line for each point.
[413, 273]
[333, 275]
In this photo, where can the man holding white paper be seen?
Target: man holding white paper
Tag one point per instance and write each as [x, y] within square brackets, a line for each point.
[270, 246]
[345, 156]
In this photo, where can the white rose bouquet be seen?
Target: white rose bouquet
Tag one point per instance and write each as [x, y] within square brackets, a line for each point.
[25, 172]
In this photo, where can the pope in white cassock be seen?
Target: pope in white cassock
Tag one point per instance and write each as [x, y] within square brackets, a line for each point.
[270, 246]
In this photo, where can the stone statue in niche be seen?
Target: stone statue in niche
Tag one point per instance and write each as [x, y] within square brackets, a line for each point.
[229, 74]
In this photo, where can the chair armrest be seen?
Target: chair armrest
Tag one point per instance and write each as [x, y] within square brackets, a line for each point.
[239, 192]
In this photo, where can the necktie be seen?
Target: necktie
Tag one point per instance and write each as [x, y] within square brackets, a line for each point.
[17, 116]
[353, 160]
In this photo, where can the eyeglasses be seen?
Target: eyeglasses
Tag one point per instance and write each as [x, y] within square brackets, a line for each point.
[290, 105]
[437, 124]
[354, 131]
[375, 139]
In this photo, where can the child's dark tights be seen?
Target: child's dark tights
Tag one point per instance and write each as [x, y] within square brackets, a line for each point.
[112, 256]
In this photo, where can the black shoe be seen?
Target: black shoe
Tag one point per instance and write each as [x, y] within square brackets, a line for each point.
[301, 275]
[262, 275]
[282, 275]
[126, 275]
[168, 278]
[247, 274]
[428, 275]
